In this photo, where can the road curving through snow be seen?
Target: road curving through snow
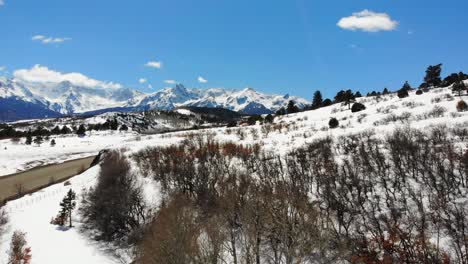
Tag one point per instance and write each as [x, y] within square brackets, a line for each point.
[15, 185]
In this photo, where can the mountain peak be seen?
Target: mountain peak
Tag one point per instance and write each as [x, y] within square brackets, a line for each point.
[248, 89]
[66, 98]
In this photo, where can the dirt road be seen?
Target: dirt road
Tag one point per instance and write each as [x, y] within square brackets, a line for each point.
[38, 178]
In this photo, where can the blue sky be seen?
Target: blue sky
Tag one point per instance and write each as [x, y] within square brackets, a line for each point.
[281, 46]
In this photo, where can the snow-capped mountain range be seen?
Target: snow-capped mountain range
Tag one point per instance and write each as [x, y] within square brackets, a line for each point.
[20, 99]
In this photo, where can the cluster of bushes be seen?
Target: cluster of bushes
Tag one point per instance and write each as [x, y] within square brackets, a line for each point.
[115, 207]
[41, 132]
[108, 125]
[10, 132]
[360, 199]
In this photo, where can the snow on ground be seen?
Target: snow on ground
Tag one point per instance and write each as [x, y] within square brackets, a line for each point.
[300, 128]
[183, 111]
[16, 157]
[49, 245]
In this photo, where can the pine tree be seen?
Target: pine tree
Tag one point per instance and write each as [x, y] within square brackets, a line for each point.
[38, 140]
[327, 102]
[385, 91]
[52, 143]
[333, 123]
[402, 93]
[459, 87]
[345, 96]
[56, 130]
[432, 78]
[317, 101]
[406, 86]
[28, 139]
[124, 127]
[68, 204]
[281, 111]
[114, 125]
[292, 108]
[65, 130]
[81, 130]
[269, 118]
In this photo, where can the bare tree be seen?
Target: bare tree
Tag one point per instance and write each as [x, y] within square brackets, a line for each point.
[115, 206]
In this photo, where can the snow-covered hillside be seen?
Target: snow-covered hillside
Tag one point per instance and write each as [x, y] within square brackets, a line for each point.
[383, 114]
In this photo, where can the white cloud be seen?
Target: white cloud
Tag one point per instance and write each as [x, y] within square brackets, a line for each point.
[2, 2]
[170, 81]
[154, 64]
[202, 80]
[142, 80]
[42, 74]
[2, 68]
[368, 21]
[48, 40]
[150, 86]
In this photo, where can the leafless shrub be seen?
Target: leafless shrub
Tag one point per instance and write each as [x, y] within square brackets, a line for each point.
[460, 132]
[436, 100]
[437, 111]
[19, 252]
[361, 117]
[393, 118]
[411, 104]
[387, 109]
[3, 219]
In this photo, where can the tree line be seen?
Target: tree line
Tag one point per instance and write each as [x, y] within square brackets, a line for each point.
[431, 79]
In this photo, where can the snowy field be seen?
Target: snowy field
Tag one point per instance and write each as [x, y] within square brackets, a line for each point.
[32, 213]
[50, 244]
[15, 157]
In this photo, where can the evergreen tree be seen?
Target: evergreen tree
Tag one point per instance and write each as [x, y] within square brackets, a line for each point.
[402, 93]
[406, 86]
[38, 140]
[65, 130]
[345, 96]
[317, 101]
[432, 78]
[269, 118]
[459, 87]
[292, 108]
[385, 91]
[358, 94]
[28, 139]
[52, 143]
[327, 102]
[56, 130]
[281, 111]
[67, 205]
[333, 123]
[124, 127]
[114, 125]
[81, 130]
